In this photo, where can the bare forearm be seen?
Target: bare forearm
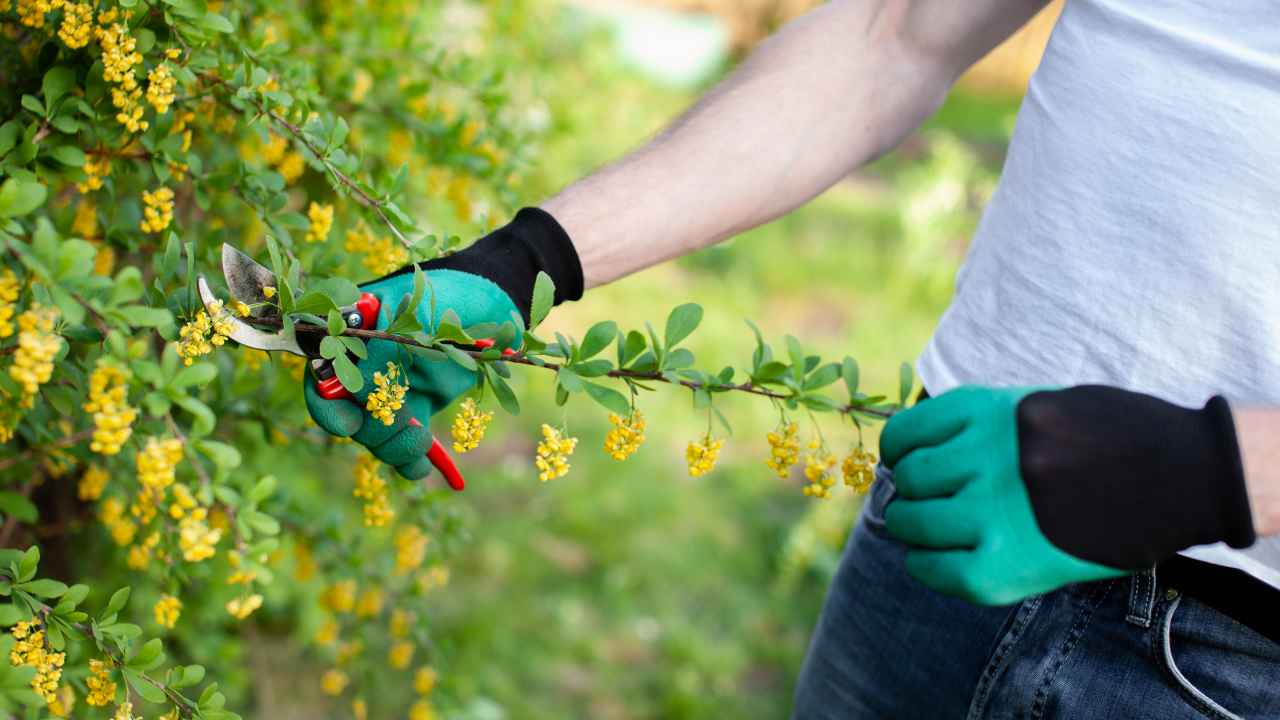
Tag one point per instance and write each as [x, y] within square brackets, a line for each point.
[830, 92]
[1257, 431]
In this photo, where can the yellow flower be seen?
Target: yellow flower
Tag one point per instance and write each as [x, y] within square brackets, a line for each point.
[372, 488]
[31, 649]
[359, 709]
[340, 597]
[108, 401]
[197, 540]
[421, 710]
[400, 655]
[77, 25]
[411, 548]
[241, 308]
[158, 212]
[321, 217]
[37, 344]
[292, 166]
[124, 711]
[31, 12]
[858, 469]
[701, 455]
[207, 331]
[173, 53]
[92, 483]
[85, 222]
[304, 562]
[96, 167]
[275, 150]
[624, 438]
[64, 702]
[400, 623]
[156, 464]
[424, 681]
[122, 529]
[784, 449]
[380, 255]
[268, 292]
[160, 84]
[369, 603]
[10, 288]
[818, 464]
[167, 610]
[361, 83]
[469, 426]
[333, 682]
[552, 460]
[384, 401]
[102, 689]
[242, 607]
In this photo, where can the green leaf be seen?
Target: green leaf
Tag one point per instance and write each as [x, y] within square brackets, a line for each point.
[502, 391]
[348, 374]
[11, 615]
[459, 357]
[331, 347]
[262, 489]
[18, 507]
[314, 303]
[32, 103]
[598, 338]
[128, 285]
[569, 380]
[117, 602]
[262, 523]
[76, 594]
[609, 398]
[191, 675]
[906, 379]
[678, 359]
[849, 371]
[682, 321]
[340, 290]
[145, 689]
[203, 418]
[223, 455]
[44, 588]
[56, 84]
[201, 373]
[69, 155]
[355, 346]
[143, 316]
[797, 358]
[217, 23]
[28, 564]
[631, 348]
[337, 325]
[544, 293]
[19, 197]
[822, 377]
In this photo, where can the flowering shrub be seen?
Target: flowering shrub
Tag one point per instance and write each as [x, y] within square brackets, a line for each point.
[145, 456]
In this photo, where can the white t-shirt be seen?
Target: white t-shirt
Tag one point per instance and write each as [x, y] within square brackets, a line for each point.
[1134, 239]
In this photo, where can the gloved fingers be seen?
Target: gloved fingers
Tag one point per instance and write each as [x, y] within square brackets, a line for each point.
[336, 417]
[930, 472]
[413, 439]
[949, 572]
[939, 523]
[931, 422]
[416, 469]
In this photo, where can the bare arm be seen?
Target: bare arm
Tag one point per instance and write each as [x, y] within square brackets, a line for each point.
[833, 90]
[1256, 431]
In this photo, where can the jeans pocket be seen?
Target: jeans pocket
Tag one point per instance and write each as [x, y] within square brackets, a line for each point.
[1216, 663]
[882, 491]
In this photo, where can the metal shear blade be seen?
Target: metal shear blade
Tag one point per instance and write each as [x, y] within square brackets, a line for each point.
[243, 332]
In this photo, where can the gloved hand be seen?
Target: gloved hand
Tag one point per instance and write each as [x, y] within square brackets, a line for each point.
[490, 281]
[1003, 493]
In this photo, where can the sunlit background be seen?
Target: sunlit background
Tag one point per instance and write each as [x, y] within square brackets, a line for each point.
[630, 590]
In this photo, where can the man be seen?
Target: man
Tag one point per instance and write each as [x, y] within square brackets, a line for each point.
[1103, 384]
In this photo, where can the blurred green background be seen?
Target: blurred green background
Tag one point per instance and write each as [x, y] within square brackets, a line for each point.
[630, 590]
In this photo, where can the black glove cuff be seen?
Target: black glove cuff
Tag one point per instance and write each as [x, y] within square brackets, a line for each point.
[512, 256]
[1126, 479]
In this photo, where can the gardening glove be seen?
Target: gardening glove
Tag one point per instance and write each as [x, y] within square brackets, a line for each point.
[1003, 493]
[490, 281]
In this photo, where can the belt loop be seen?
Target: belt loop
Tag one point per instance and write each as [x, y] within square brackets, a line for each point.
[1142, 598]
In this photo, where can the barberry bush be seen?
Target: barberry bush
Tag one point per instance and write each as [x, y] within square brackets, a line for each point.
[140, 451]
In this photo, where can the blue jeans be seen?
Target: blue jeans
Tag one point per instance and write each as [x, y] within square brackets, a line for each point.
[887, 647]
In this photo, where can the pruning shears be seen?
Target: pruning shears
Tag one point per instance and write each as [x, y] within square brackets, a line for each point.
[246, 280]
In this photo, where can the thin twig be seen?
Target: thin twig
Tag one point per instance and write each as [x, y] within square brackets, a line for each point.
[374, 204]
[66, 441]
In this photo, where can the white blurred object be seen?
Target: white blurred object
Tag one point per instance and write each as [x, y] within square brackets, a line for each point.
[679, 49]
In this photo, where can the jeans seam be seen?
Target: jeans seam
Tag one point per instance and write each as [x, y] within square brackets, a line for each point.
[1162, 648]
[1142, 593]
[986, 681]
[1097, 593]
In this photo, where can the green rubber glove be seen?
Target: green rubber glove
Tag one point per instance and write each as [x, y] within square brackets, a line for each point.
[962, 505]
[433, 384]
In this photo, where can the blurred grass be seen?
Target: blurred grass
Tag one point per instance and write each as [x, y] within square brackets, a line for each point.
[629, 590]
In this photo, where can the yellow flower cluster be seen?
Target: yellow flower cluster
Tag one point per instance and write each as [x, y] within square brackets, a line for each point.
[380, 255]
[818, 464]
[160, 87]
[167, 610]
[92, 483]
[102, 689]
[85, 222]
[333, 682]
[119, 58]
[369, 603]
[77, 25]
[858, 469]
[156, 463]
[112, 514]
[340, 597]
[400, 655]
[31, 12]
[139, 556]
[96, 167]
[400, 622]
[242, 607]
[361, 83]
[624, 438]
[424, 680]
[469, 426]
[388, 397]
[372, 488]
[411, 548]
[124, 711]
[701, 455]
[200, 336]
[158, 212]
[321, 217]
[37, 344]
[109, 402]
[29, 649]
[436, 576]
[10, 287]
[784, 449]
[421, 710]
[552, 460]
[64, 702]
[196, 539]
[327, 634]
